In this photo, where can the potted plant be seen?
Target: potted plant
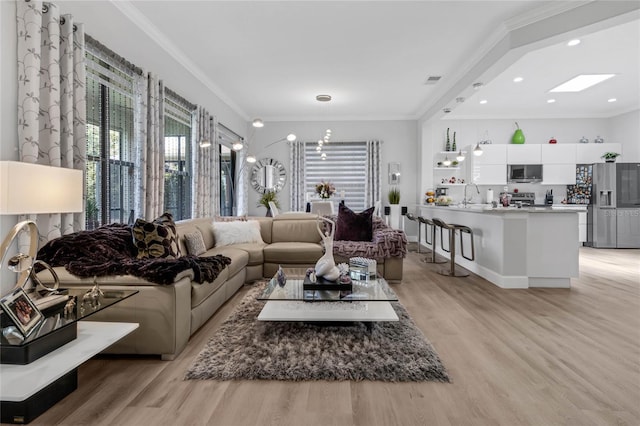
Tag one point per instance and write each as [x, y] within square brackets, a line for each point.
[610, 157]
[394, 196]
[266, 197]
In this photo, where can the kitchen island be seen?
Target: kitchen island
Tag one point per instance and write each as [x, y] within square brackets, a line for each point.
[516, 247]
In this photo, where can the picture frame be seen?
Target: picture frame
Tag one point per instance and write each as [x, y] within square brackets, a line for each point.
[22, 311]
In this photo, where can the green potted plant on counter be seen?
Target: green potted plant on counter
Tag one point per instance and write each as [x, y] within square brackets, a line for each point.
[610, 157]
[394, 196]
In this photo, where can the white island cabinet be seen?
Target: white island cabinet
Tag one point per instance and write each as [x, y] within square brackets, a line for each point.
[516, 248]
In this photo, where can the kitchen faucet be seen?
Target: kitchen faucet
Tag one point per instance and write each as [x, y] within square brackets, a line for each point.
[465, 201]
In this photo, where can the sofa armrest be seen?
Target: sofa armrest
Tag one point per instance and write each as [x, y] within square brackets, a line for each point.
[386, 243]
[393, 242]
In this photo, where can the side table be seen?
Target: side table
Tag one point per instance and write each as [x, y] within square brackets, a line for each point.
[29, 390]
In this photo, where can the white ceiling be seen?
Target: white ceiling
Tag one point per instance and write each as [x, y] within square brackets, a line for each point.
[270, 59]
[614, 50]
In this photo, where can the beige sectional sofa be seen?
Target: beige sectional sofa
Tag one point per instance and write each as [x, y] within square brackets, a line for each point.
[169, 314]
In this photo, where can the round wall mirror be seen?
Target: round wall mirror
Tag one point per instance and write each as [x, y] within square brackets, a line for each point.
[268, 175]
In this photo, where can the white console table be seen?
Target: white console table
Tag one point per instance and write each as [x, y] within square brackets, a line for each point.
[26, 390]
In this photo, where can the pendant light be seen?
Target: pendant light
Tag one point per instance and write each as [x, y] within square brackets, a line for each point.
[477, 151]
[460, 156]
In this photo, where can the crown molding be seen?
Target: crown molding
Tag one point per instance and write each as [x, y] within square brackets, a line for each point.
[316, 118]
[141, 21]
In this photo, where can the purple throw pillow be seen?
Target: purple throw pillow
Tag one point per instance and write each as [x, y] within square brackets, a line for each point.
[353, 226]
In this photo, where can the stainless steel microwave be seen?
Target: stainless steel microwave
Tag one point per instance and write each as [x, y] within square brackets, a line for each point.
[523, 173]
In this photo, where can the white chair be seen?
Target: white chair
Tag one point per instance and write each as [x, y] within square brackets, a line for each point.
[376, 208]
[322, 207]
[274, 209]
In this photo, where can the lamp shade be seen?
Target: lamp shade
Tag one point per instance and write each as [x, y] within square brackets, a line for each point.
[27, 188]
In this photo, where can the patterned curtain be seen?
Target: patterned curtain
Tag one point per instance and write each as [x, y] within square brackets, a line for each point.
[149, 197]
[296, 170]
[372, 187]
[242, 184]
[51, 99]
[215, 168]
[204, 190]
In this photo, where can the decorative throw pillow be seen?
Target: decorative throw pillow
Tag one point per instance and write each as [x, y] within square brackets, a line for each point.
[156, 239]
[238, 232]
[352, 226]
[195, 243]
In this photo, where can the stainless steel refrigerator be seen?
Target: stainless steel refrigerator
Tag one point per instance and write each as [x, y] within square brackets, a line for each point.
[628, 205]
[613, 217]
[601, 213]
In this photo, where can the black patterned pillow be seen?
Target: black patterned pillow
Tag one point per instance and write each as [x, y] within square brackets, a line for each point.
[156, 239]
[195, 243]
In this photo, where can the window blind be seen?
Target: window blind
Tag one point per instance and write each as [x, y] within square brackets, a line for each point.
[110, 137]
[344, 166]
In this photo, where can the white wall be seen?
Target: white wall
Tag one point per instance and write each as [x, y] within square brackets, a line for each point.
[625, 129]
[400, 144]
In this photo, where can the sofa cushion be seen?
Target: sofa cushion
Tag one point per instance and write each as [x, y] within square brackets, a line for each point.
[292, 252]
[295, 227]
[352, 226]
[239, 258]
[157, 238]
[195, 243]
[254, 250]
[200, 292]
[238, 232]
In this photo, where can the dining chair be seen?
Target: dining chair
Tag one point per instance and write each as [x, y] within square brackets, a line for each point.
[322, 207]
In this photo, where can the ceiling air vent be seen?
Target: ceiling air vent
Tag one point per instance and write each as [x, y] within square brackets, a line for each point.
[432, 79]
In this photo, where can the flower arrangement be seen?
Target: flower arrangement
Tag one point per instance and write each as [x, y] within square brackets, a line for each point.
[325, 189]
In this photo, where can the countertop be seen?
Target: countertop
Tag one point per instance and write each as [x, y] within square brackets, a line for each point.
[486, 208]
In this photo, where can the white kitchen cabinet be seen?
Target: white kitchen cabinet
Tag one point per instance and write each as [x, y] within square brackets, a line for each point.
[588, 153]
[582, 227]
[524, 154]
[559, 154]
[489, 174]
[491, 154]
[559, 174]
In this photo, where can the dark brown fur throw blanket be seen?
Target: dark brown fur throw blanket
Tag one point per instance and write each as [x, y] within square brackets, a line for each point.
[109, 250]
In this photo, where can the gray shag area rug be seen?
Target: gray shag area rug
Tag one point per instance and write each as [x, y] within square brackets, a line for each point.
[247, 349]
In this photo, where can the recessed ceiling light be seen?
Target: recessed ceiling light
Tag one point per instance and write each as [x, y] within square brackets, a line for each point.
[477, 86]
[484, 101]
[323, 98]
[257, 122]
[518, 79]
[573, 42]
[581, 82]
[612, 100]
[550, 101]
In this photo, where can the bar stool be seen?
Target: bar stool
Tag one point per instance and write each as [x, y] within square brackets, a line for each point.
[452, 228]
[429, 223]
[411, 217]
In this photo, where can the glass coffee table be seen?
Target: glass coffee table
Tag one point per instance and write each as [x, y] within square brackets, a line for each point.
[368, 302]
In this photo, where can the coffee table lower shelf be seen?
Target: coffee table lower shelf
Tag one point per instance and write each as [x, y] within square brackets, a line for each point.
[294, 310]
[26, 391]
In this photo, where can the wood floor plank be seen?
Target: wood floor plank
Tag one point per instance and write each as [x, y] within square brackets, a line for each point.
[516, 357]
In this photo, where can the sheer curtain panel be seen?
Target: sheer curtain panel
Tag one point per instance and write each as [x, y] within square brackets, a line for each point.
[373, 190]
[51, 98]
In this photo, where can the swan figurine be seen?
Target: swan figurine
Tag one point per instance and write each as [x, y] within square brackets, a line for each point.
[326, 265]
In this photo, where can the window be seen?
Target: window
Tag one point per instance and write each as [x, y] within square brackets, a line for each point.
[228, 159]
[344, 166]
[177, 158]
[110, 142]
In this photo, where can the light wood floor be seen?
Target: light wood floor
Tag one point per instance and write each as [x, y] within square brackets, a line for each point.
[516, 357]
